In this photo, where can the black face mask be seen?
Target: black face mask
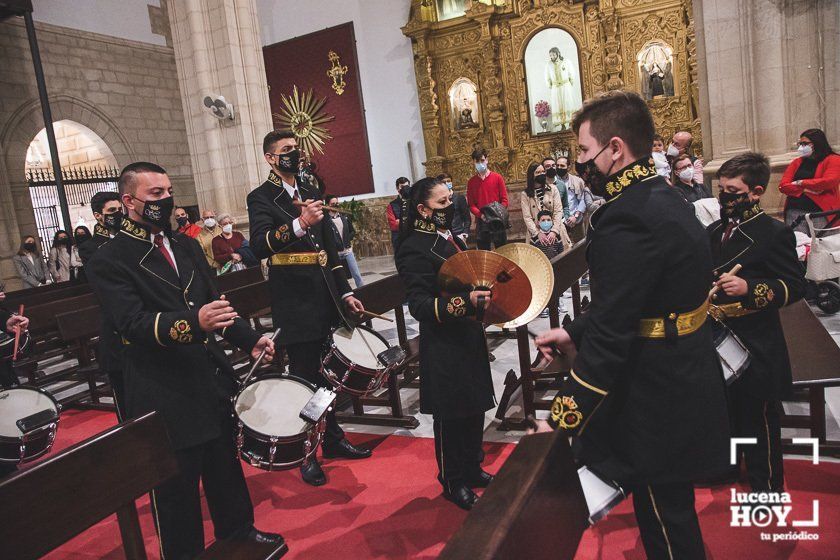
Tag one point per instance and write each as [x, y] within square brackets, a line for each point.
[81, 238]
[61, 241]
[158, 212]
[733, 205]
[442, 217]
[593, 176]
[29, 247]
[289, 162]
[551, 172]
[562, 172]
[539, 179]
[113, 222]
[182, 221]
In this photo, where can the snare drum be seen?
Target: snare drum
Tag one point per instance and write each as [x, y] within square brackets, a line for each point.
[734, 356]
[270, 433]
[28, 423]
[351, 363]
[7, 344]
[601, 496]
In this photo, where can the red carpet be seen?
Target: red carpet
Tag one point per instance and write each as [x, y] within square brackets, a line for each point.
[390, 507]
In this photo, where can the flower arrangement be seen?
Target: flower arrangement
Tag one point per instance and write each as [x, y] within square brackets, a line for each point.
[542, 110]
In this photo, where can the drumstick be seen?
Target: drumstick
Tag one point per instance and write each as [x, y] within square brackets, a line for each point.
[325, 207]
[367, 313]
[259, 360]
[715, 288]
[17, 335]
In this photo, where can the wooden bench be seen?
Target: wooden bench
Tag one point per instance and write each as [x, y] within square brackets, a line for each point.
[80, 331]
[815, 364]
[568, 268]
[70, 492]
[233, 280]
[381, 297]
[45, 294]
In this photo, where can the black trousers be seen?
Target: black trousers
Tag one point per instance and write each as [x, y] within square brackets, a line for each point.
[305, 362]
[115, 378]
[484, 238]
[668, 521]
[176, 504]
[8, 377]
[757, 418]
[458, 449]
[6, 469]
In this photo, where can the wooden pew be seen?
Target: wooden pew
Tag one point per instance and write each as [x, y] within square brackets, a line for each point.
[233, 280]
[568, 267]
[380, 297]
[815, 364]
[45, 294]
[70, 492]
[80, 331]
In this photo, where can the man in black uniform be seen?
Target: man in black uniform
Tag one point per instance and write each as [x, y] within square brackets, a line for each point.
[309, 290]
[107, 210]
[749, 305]
[645, 400]
[156, 289]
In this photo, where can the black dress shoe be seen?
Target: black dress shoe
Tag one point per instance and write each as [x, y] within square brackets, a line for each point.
[312, 473]
[480, 480]
[345, 449]
[265, 538]
[461, 496]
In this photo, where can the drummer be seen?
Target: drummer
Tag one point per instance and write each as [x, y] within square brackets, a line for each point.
[309, 291]
[12, 322]
[157, 291]
[455, 383]
[770, 278]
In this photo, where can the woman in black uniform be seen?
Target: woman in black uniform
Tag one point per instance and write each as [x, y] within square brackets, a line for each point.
[455, 383]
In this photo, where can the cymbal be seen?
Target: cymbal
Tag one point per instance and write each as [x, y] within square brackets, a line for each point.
[476, 269]
[539, 271]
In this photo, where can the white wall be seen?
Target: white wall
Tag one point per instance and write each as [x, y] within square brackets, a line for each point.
[386, 67]
[128, 19]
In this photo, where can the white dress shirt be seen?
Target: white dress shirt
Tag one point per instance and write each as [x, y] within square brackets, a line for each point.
[168, 248]
[295, 195]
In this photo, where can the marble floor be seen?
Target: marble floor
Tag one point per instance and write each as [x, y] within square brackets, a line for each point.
[506, 358]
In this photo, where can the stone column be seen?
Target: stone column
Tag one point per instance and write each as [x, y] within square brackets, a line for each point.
[218, 52]
[768, 70]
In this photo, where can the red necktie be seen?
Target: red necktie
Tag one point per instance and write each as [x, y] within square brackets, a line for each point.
[728, 233]
[159, 244]
[452, 240]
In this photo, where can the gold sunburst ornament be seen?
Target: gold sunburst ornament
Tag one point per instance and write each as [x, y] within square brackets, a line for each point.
[304, 116]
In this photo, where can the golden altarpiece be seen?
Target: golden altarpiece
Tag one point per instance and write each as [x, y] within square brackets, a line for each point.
[508, 74]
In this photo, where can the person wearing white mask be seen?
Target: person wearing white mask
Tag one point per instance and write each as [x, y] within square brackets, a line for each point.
[209, 230]
[681, 144]
[683, 180]
[461, 221]
[227, 244]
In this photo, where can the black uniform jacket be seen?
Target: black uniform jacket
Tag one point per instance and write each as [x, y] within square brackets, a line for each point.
[645, 410]
[110, 348]
[454, 367]
[170, 364]
[306, 300]
[766, 249]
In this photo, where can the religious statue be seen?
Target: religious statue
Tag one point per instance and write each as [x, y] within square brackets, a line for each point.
[466, 120]
[463, 99]
[656, 70]
[448, 9]
[560, 81]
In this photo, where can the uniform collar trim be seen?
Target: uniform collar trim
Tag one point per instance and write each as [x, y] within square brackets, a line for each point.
[634, 173]
[101, 231]
[424, 226]
[136, 230]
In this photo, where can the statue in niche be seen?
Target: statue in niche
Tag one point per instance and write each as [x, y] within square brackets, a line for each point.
[463, 100]
[448, 9]
[552, 76]
[656, 76]
[560, 82]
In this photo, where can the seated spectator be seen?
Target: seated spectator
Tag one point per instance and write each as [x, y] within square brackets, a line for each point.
[80, 235]
[681, 144]
[227, 246]
[683, 180]
[58, 261]
[342, 227]
[461, 221]
[811, 182]
[184, 225]
[29, 264]
[537, 198]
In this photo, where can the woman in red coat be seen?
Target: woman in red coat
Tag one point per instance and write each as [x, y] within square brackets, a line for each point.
[811, 181]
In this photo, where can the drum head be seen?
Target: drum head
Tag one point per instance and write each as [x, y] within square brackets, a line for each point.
[272, 406]
[19, 403]
[360, 346]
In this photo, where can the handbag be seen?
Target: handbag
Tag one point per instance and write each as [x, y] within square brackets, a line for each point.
[824, 258]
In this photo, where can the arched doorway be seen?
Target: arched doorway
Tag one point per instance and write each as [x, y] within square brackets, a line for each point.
[88, 166]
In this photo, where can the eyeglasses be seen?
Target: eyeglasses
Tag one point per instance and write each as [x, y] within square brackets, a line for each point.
[804, 143]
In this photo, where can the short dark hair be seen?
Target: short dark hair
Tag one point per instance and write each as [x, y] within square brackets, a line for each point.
[98, 201]
[443, 177]
[330, 197]
[402, 181]
[821, 146]
[542, 213]
[479, 153]
[618, 113]
[752, 167]
[658, 138]
[547, 158]
[129, 173]
[275, 136]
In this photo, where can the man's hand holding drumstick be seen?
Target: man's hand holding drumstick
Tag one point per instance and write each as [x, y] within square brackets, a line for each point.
[731, 284]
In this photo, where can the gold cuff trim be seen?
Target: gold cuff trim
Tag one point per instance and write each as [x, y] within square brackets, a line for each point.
[437, 315]
[157, 320]
[729, 311]
[337, 267]
[299, 259]
[268, 241]
[587, 385]
[686, 323]
[787, 293]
